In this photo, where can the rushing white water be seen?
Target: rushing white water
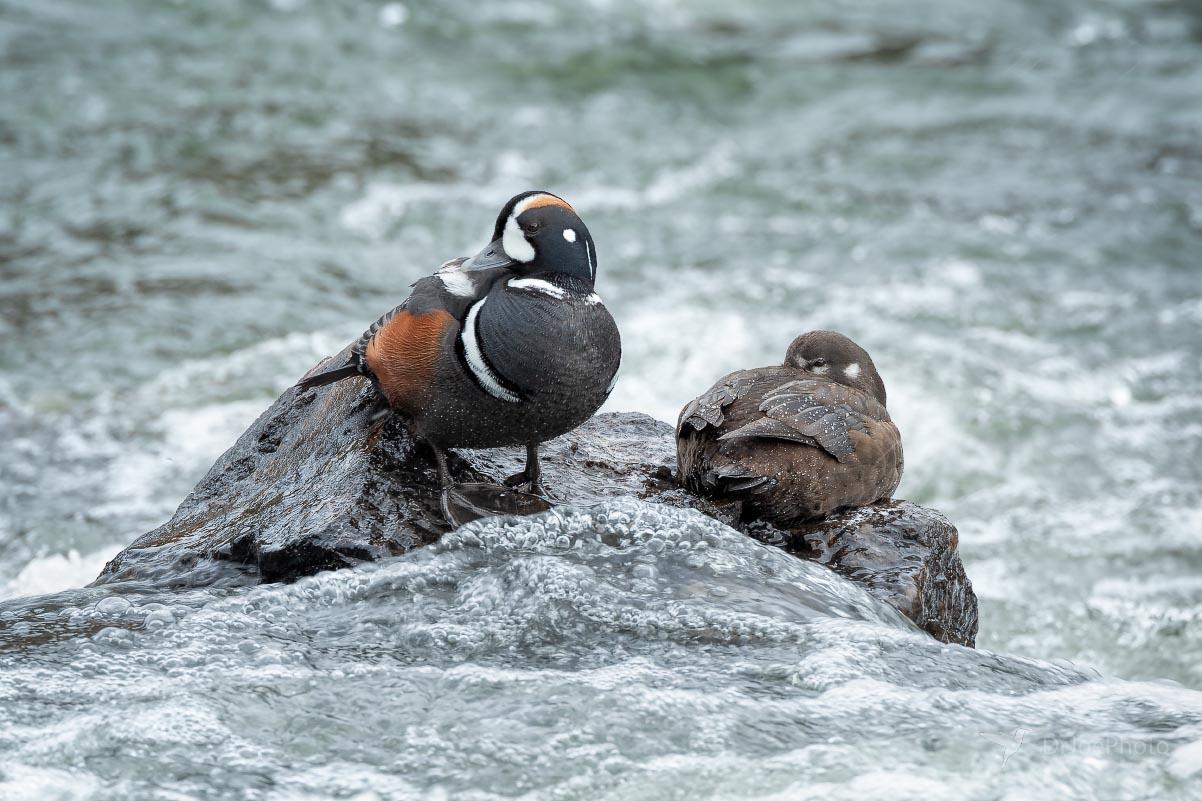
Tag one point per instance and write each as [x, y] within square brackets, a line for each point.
[631, 651]
[1002, 203]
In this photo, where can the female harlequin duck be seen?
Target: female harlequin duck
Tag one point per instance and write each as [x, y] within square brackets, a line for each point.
[509, 347]
[794, 442]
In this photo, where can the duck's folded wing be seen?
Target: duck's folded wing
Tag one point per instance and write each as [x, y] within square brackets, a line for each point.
[814, 412]
[450, 291]
[708, 409]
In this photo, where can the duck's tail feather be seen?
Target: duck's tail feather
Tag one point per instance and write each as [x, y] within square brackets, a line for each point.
[328, 377]
[731, 481]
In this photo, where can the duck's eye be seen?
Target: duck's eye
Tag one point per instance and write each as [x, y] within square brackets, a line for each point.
[533, 226]
[819, 362]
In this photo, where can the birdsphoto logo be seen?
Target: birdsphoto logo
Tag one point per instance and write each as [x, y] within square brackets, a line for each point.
[1009, 744]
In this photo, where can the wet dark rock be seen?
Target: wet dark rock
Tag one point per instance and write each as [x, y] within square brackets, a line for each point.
[901, 552]
[324, 479]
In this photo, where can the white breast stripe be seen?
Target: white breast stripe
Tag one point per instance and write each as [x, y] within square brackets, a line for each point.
[614, 380]
[538, 285]
[457, 282]
[475, 358]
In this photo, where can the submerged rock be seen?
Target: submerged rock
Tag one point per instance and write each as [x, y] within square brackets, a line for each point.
[323, 479]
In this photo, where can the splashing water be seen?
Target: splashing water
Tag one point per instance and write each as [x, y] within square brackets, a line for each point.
[629, 650]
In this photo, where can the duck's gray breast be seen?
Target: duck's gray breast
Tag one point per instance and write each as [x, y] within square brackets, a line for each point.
[549, 341]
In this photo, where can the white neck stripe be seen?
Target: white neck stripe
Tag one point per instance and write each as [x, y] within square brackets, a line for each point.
[538, 285]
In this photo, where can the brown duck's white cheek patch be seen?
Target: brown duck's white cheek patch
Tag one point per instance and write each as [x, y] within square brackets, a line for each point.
[852, 370]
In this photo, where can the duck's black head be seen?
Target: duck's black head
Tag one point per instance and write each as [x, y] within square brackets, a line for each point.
[537, 232]
[830, 354]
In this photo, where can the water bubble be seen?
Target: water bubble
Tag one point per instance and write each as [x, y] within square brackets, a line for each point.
[159, 617]
[643, 571]
[113, 606]
[111, 635]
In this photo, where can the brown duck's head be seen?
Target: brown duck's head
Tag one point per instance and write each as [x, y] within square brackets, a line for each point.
[834, 356]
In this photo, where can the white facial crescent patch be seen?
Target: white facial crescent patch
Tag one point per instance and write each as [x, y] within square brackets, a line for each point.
[514, 241]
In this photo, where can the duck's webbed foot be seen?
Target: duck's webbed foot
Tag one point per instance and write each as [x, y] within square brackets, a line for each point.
[528, 479]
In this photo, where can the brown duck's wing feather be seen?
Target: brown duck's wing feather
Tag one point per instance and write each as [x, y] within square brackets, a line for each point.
[709, 408]
[815, 411]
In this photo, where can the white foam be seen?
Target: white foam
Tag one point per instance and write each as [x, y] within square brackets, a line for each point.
[675, 351]
[1186, 760]
[191, 440]
[24, 783]
[58, 571]
[372, 214]
[383, 204]
[393, 15]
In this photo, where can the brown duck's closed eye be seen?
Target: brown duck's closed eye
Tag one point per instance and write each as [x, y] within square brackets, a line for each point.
[797, 441]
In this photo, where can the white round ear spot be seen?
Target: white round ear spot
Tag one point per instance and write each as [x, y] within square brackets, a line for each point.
[514, 241]
[569, 234]
[852, 370]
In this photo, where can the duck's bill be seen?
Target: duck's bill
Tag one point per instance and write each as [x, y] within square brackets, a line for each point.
[492, 256]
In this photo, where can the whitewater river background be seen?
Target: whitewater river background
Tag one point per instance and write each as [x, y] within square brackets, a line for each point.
[1002, 202]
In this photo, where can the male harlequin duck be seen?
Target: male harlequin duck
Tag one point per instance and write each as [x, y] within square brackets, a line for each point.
[509, 347]
[794, 442]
